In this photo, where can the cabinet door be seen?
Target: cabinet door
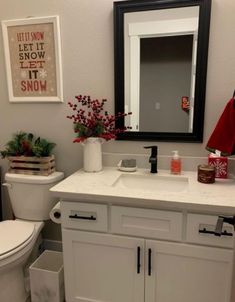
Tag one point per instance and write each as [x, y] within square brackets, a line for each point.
[102, 267]
[187, 273]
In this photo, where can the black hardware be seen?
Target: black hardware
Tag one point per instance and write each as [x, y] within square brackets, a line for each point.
[149, 261]
[153, 158]
[76, 216]
[138, 260]
[219, 226]
[57, 214]
[220, 221]
[224, 233]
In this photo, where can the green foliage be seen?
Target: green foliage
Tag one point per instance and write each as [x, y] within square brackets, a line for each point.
[25, 144]
[84, 131]
[42, 147]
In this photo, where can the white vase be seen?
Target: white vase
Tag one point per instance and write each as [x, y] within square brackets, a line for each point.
[92, 154]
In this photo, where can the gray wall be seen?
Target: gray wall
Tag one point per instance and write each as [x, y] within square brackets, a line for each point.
[165, 76]
[87, 56]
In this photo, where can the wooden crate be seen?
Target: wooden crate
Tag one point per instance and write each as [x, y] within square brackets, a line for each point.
[32, 165]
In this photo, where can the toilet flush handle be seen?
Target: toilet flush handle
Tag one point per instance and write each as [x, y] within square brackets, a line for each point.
[6, 184]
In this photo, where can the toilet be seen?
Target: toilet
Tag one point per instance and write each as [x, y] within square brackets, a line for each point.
[31, 203]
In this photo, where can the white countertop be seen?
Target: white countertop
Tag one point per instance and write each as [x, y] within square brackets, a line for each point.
[99, 187]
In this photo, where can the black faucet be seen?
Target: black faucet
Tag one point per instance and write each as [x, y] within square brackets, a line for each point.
[153, 158]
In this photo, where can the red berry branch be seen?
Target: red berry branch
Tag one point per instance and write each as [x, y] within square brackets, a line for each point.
[91, 120]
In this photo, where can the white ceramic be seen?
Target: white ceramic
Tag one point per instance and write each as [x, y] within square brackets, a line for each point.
[12, 279]
[29, 195]
[152, 182]
[47, 277]
[92, 154]
[31, 202]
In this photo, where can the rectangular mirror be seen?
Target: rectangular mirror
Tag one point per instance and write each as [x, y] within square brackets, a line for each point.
[160, 68]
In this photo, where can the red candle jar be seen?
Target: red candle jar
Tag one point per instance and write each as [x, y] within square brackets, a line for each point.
[206, 174]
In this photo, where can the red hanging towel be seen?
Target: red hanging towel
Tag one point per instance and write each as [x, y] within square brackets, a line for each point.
[223, 136]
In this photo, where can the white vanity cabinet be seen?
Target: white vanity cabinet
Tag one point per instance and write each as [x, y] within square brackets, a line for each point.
[130, 254]
[102, 267]
[188, 273]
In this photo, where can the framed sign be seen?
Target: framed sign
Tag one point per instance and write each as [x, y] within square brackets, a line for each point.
[33, 59]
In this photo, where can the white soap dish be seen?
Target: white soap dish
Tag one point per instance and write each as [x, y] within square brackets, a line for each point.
[126, 169]
[127, 165]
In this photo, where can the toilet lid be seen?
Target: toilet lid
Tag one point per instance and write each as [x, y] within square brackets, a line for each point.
[14, 233]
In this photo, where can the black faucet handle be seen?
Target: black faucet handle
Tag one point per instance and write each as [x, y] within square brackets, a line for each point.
[150, 147]
[153, 148]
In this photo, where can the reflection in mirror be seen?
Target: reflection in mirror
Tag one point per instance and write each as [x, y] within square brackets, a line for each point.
[160, 67]
[165, 62]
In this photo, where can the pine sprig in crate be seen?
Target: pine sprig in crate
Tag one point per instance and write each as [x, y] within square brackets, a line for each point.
[27, 155]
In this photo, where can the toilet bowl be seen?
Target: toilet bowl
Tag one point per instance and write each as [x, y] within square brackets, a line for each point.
[31, 203]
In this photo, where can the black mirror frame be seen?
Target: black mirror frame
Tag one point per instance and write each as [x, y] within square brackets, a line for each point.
[122, 7]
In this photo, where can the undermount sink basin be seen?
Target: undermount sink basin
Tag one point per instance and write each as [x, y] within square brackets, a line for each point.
[152, 182]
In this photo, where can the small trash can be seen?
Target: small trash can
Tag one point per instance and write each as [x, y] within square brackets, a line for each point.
[47, 277]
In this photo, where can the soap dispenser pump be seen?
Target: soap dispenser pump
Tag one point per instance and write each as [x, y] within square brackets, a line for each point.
[175, 163]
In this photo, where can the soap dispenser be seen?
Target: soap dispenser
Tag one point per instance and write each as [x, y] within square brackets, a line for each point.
[175, 163]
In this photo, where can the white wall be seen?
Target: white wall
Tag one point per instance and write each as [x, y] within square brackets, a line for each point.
[88, 68]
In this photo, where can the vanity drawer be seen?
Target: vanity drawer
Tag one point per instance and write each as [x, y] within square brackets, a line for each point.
[146, 223]
[84, 216]
[205, 223]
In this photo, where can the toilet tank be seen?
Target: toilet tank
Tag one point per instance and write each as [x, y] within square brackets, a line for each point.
[29, 194]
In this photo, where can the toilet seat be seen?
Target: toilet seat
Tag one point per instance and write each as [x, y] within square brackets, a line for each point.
[14, 235]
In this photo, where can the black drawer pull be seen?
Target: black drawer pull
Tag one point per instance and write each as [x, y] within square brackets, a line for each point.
[224, 233]
[149, 261]
[76, 216]
[138, 260]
